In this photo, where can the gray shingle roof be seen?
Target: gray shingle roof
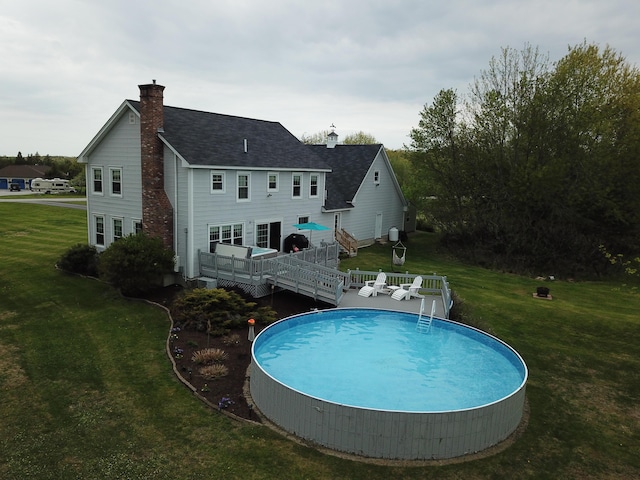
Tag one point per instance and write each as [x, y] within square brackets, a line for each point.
[203, 138]
[350, 164]
[24, 171]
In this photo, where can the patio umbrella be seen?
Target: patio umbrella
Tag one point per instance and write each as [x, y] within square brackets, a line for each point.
[311, 226]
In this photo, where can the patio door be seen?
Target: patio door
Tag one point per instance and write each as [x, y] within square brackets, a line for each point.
[275, 232]
[268, 235]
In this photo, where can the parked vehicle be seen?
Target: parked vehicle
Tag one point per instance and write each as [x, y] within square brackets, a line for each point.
[14, 187]
[53, 185]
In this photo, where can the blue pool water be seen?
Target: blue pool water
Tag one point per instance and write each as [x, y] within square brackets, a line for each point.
[376, 359]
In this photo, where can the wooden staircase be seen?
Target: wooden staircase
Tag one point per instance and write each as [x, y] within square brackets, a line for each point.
[347, 242]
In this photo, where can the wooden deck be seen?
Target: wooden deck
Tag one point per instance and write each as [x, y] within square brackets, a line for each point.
[314, 274]
[351, 299]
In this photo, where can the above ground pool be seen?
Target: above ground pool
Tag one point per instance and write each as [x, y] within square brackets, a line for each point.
[370, 382]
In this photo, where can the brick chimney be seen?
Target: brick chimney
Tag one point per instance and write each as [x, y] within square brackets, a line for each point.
[157, 212]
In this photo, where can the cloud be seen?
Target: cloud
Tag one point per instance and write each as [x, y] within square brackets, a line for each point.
[365, 65]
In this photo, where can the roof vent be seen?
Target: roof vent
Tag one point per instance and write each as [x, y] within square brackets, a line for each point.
[246, 146]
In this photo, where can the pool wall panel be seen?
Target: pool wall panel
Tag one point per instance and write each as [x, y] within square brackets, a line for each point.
[385, 434]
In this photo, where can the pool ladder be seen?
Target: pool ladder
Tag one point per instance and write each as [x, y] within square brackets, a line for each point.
[424, 323]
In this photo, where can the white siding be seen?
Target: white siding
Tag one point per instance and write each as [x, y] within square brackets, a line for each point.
[372, 199]
[119, 149]
[223, 209]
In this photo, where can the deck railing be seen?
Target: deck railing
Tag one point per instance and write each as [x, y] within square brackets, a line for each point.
[327, 254]
[432, 284]
[317, 279]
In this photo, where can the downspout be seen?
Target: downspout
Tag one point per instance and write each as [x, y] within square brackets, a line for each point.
[90, 227]
[176, 212]
[190, 229]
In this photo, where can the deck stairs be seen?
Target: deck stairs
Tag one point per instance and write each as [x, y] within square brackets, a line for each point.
[347, 241]
[424, 322]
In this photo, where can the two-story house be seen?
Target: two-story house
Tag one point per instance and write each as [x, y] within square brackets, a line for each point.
[195, 179]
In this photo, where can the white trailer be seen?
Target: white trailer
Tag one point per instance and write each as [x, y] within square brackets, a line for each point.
[51, 185]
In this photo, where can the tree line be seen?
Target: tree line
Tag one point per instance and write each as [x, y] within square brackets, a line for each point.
[537, 168]
[61, 167]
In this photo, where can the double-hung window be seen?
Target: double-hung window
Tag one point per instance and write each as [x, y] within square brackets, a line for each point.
[117, 228]
[217, 182]
[244, 187]
[116, 181]
[96, 176]
[296, 185]
[99, 229]
[313, 185]
[272, 182]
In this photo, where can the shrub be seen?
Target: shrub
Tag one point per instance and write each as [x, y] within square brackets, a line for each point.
[217, 311]
[209, 355]
[136, 263]
[211, 372]
[461, 312]
[82, 259]
[231, 340]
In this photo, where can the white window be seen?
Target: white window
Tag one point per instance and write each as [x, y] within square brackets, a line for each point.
[272, 182]
[376, 177]
[99, 229]
[262, 235]
[296, 187]
[217, 182]
[116, 181]
[231, 234]
[117, 228]
[136, 226]
[96, 176]
[313, 185]
[244, 187]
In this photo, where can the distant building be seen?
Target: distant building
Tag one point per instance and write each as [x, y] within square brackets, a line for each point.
[21, 175]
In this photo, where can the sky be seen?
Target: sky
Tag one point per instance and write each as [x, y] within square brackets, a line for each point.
[361, 65]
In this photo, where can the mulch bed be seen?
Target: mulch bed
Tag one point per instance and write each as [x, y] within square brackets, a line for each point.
[239, 354]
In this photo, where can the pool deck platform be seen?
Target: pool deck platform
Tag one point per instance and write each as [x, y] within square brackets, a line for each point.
[351, 299]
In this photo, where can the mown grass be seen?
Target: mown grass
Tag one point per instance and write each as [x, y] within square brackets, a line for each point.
[86, 390]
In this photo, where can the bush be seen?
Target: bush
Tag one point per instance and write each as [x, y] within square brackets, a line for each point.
[462, 313]
[232, 340]
[136, 263]
[211, 372]
[81, 259]
[217, 311]
[208, 356]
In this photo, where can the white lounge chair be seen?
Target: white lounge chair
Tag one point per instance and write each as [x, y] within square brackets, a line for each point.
[373, 287]
[408, 290]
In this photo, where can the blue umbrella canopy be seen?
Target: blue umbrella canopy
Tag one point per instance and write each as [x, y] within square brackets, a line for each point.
[311, 226]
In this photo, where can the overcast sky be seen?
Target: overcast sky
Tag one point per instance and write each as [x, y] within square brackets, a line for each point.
[363, 65]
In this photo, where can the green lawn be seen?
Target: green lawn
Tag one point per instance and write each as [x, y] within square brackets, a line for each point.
[86, 390]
